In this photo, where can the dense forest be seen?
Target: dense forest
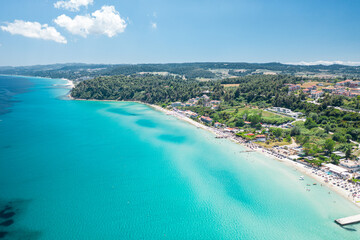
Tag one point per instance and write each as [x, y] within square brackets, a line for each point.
[188, 70]
[164, 89]
[149, 89]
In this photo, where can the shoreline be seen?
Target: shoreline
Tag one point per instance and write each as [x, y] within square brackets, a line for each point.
[70, 82]
[304, 169]
[298, 166]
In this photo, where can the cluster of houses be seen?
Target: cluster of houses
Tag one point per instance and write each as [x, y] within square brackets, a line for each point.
[293, 87]
[311, 90]
[203, 100]
[349, 83]
[347, 88]
[285, 111]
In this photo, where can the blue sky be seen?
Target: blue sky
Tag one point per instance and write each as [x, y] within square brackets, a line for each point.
[160, 31]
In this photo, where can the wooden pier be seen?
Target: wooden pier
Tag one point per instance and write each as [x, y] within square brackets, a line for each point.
[348, 220]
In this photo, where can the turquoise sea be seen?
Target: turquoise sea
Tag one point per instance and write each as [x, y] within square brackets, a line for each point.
[118, 170]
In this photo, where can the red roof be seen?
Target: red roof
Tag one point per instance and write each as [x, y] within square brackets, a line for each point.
[247, 122]
[250, 134]
[206, 118]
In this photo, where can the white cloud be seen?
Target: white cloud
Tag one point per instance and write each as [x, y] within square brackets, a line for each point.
[73, 5]
[34, 30]
[106, 21]
[154, 25]
[321, 62]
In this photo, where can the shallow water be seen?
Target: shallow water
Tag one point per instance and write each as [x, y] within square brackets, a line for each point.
[111, 170]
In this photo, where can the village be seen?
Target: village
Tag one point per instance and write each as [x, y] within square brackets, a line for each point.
[348, 88]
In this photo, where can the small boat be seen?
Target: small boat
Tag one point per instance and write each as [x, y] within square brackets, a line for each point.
[301, 178]
[307, 184]
[314, 183]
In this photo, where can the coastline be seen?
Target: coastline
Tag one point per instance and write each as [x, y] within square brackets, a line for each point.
[298, 166]
[70, 83]
[251, 147]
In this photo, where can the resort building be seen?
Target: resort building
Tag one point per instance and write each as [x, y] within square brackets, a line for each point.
[343, 172]
[215, 107]
[293, 157]
[206, 119]
[260, 138]
[206, 100]
[306, 90]
[193, 100]
[350, 164]
[217, 125]
[189, 104]
[293, 87]
[312, 87]
[233, 130]
[339, 154]
[316, 94]
[176, 104]
[191, 114]
[214, 102]
[285, 111]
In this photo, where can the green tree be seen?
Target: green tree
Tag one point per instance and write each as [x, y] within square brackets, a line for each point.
[254, 119]
[310, 123]
[327, 128]
[334, 159]
[329, 145]
[277, 132]
[339, 137]
[314, 116]
[347, 149]
[295, 131]
[239, 123]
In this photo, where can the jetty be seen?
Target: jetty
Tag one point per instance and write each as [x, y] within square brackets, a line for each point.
[246, 151]
[348, 220]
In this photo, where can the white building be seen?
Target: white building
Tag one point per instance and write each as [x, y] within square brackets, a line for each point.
[176, 104]
[343, 172]
[350, 164]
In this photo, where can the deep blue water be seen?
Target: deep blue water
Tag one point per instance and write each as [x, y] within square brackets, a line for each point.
[9, 87]
[111, 170]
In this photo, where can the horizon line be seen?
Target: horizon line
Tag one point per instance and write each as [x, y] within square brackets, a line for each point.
[301, 63]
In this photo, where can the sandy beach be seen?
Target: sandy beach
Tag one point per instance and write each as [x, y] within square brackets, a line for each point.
[70, 84]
